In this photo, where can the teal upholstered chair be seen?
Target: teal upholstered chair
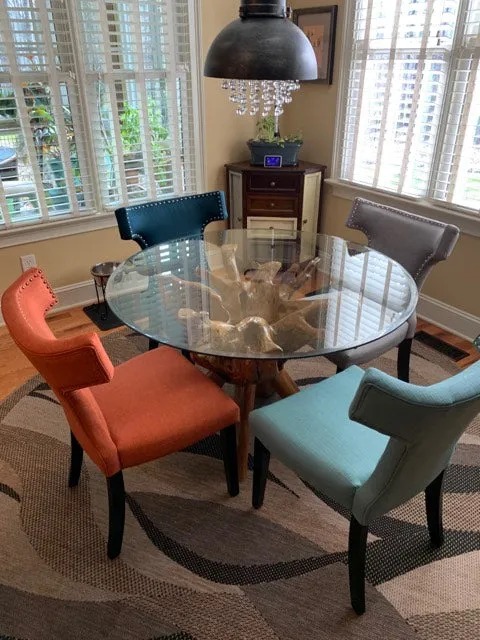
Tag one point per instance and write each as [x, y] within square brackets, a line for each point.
[370, 442]
[152, 223]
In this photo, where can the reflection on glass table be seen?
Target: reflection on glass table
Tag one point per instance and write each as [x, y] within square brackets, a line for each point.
[243, 303]
[263, 296]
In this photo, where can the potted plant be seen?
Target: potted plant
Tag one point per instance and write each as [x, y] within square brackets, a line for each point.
[269, 142]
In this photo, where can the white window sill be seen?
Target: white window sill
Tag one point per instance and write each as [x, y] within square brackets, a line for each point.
[468, 224]
[48, 229]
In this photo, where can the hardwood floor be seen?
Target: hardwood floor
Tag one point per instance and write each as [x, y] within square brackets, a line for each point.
[454, 341]
[15, 368]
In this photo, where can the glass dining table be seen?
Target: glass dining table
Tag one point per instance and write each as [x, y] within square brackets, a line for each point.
[241, 303]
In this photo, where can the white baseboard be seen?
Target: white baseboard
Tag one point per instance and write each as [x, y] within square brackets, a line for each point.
[450, 318]
[72, 295]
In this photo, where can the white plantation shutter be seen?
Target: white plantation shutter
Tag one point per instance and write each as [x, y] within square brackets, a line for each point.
[411, 118]
[98, 106]
[43, 170]
[458, 177]
[137, 57]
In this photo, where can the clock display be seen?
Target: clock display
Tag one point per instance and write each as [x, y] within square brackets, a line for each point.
[272, 161]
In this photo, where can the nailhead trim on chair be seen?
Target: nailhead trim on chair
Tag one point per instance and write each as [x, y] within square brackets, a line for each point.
[353, 224]
[38, 273]
[172, 200]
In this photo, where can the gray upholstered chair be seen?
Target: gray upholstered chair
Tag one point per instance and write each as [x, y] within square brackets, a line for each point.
[415, 242]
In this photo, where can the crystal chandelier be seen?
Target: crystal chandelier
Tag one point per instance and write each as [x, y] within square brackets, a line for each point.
[255, 97]
[263, 55]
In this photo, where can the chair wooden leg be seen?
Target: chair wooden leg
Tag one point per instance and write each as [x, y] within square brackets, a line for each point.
[116, 510]
[433, 503]
[152, 344]
[357, 548]
[76, 460]
[260, 471]
[228, 438]
[403, 361]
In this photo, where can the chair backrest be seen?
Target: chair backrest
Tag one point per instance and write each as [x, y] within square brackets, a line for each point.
[69, 365]
[154, 222]
[415, 242]
[424, 424]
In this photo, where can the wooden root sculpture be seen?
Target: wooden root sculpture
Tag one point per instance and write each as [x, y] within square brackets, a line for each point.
[251, 335]
[262, 311]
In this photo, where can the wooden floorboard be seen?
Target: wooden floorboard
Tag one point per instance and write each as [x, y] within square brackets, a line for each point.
[15, 369]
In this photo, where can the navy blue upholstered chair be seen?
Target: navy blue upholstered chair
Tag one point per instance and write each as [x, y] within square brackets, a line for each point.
[152, 223]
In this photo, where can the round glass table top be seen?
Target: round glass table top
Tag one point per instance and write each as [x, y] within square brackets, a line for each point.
[261, 294]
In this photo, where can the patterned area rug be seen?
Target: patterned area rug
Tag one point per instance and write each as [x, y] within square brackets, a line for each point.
[197, 564]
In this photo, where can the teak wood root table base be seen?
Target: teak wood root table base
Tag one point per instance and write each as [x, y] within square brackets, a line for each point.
[249, 378]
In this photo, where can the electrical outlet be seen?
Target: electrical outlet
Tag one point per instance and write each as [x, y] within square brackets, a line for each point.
[28, 262]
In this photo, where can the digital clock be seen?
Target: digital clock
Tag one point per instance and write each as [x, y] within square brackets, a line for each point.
[272, 161]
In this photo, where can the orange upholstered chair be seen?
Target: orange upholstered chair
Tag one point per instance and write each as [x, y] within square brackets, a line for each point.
[146, 408]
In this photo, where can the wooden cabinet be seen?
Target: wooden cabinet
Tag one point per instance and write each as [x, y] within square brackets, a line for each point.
[288, 198]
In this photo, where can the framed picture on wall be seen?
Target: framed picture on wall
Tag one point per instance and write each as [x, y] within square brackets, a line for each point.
[319, 25]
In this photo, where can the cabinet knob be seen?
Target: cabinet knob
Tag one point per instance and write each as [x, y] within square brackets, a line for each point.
[305, 221]
[272, 204]
[239, 219]
[271, 228]
[272, 184]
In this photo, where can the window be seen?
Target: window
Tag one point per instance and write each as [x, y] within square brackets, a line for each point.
[97, 106]
[426, 144]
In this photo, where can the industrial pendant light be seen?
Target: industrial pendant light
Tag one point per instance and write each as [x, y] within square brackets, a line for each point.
[261, 57]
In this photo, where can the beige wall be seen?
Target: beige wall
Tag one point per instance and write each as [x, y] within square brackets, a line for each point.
[67, 260]
[313, 110]
[314, 107]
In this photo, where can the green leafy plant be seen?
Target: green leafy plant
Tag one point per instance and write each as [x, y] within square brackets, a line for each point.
[130, 130]
[131, 134]
[267, 132]
[44, 126]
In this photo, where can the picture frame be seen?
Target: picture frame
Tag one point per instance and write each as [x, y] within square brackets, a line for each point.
[319, 25]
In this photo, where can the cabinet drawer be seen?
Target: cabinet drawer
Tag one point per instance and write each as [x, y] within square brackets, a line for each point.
[273, 182]
[260, 226]
[273, 203]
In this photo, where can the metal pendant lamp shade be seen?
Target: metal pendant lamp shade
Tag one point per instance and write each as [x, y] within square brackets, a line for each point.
[261, 56]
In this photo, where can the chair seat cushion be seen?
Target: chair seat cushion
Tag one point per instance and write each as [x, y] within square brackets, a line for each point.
[158, 403]
[368, 352]
[311, 433]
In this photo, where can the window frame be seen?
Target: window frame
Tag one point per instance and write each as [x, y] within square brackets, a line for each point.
[96, 218]
[448, 212]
